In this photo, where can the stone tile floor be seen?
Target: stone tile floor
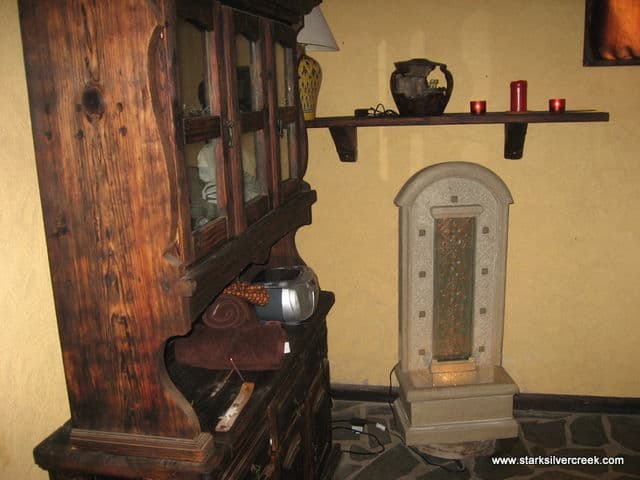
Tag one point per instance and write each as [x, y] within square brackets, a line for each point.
[542, 434]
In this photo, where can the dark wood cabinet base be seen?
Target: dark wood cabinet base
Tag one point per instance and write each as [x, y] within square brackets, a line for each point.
[284, 431]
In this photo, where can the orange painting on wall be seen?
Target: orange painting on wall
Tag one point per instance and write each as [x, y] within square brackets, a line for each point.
[612, 33]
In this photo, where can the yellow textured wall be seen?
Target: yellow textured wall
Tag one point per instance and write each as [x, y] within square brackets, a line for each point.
[34, 399]
[573, 264]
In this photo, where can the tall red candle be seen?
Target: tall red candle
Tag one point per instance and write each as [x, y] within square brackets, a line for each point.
[519, 96]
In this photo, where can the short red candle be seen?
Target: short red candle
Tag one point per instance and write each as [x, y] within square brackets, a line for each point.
[519, 96]
[478, 107]
[557, 105]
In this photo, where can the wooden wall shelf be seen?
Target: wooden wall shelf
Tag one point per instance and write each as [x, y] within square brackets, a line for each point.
[344, 129]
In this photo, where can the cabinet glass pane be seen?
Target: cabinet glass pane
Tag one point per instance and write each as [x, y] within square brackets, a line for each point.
[250, 161]
[247, 83]
[281, 75]
[199, 157]
[201, 179]
[192, 68]
[285, 167]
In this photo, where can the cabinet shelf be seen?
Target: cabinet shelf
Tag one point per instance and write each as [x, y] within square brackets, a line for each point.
[198, 384]
[219, 268]
[344, 129]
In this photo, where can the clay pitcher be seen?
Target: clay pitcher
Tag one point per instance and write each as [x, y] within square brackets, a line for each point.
[414, 93]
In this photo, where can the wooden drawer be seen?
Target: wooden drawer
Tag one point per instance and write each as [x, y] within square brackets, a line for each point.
[318, 420]
[291, 457]
[319, 388]
[255, 462]
[289, 404]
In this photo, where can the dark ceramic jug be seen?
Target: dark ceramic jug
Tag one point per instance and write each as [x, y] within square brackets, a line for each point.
[411, 91]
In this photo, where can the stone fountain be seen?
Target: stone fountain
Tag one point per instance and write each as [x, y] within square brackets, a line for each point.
[455, 397]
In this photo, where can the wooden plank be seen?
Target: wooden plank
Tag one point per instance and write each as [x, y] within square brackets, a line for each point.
[233, 155]
[462, 119]
[514, 135]
[346, 142]
[201, 129]
[197, 449]
[199, 12]
[284, 35]
[233, 412]
[284, 10]
[208, 236]
[208, 277]
[287, 114]
[271, 101]
[57, 454]
[105, 154]
[344, 129]
[256, 208]
[252, 121]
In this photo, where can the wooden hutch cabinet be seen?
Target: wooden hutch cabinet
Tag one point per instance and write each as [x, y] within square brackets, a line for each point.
[171, 151]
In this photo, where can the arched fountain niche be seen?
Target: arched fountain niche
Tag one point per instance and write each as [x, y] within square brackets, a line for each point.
[455, 398]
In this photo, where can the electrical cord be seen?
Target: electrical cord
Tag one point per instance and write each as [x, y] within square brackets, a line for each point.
[376, 112]
[440, 462]
[381, 111]
[390, 402]
[390, 392]
[370, 435]
[429, 459]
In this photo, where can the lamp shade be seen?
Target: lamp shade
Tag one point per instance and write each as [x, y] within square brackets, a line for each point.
[316, 35]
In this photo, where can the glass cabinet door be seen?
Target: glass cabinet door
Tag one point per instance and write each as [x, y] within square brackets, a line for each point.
[250, 139]
[282, 59]
[284, 44]
[249, 103]
[241, 122]
[203, 150]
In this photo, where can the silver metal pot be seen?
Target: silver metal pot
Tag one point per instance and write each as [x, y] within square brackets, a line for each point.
[293, 294]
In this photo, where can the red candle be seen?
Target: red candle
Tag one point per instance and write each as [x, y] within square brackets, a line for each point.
[519, 96]
[478, 107]
[557, 105]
